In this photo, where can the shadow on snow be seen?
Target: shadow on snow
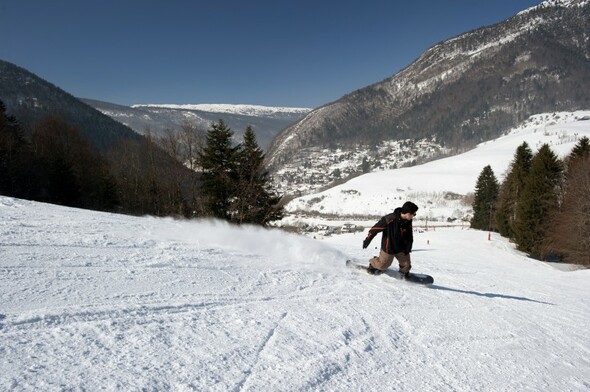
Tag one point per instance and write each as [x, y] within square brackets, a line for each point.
[488, 295]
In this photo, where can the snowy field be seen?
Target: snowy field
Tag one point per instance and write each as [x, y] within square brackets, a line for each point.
[95, 301]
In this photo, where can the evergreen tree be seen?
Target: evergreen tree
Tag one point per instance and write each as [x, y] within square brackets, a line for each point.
[540, 197]
[254, 201]
[511, 190]
[486, 193]
[16, 167]
[218, 161]
[580, 150]
[365, 166]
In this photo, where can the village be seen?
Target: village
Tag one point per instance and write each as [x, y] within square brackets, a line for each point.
[324, 168]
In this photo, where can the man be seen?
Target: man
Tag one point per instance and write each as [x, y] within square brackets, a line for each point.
[396, 239]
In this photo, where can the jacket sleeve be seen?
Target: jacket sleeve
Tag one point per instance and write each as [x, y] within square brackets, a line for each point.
[410, 239]
[376, 229]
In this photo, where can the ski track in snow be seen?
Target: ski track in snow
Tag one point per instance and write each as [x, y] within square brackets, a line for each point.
[101, 301]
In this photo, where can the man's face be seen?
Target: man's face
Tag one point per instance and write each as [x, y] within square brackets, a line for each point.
[408, 216]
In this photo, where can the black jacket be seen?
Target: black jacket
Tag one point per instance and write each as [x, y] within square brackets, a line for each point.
[397, 233]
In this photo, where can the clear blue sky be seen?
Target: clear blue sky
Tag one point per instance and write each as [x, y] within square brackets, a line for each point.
[302, 53]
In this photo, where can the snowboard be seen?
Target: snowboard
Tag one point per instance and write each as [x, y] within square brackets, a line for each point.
[411, 277]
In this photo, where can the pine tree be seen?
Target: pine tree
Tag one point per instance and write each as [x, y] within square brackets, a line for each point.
[511, 190]
[365, 166]
[580, 150]
[486, 193]
[15, 158]
[254, 201]
[218, 161]
[540, 197]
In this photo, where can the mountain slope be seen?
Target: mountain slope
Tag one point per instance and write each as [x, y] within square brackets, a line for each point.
[462, 91]
[31, 98]
[126, 303]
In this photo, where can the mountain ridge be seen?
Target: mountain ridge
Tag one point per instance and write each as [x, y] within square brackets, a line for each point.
[30, 98]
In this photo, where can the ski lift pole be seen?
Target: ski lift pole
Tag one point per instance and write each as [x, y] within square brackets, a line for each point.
[490, 225]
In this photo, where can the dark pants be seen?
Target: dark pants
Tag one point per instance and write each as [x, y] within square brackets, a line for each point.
[385, 260]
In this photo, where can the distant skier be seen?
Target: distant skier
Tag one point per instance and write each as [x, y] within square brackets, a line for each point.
[396, 239]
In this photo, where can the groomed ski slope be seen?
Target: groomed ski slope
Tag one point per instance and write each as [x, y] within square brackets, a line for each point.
[92, 301]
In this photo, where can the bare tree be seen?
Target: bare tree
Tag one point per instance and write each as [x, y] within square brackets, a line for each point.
[170, 142]
[192, 140]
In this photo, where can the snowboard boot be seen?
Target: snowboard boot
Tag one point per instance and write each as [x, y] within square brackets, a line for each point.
[373, 271]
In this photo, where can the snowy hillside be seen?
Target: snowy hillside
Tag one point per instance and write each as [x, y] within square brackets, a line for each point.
[93, 301]
[435, 186]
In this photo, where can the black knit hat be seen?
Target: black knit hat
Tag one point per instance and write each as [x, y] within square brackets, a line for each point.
[409, 207]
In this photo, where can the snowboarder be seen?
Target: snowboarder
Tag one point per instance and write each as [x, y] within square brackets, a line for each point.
[396, 239]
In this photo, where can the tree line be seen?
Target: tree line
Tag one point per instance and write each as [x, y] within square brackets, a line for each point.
[542, 205]
[185, 173]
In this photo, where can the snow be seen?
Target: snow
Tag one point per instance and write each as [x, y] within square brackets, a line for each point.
[247, 110]
[375, 193]
[92, 300]
[556, 3]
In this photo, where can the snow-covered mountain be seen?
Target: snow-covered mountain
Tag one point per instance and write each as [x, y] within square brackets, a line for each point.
[266, 121]
[92, 301]
[245, 110]
[461, 92]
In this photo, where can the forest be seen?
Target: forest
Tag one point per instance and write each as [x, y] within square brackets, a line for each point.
[188, 172]
[542, 205]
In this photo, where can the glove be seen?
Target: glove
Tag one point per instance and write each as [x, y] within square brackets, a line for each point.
[366, 243]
